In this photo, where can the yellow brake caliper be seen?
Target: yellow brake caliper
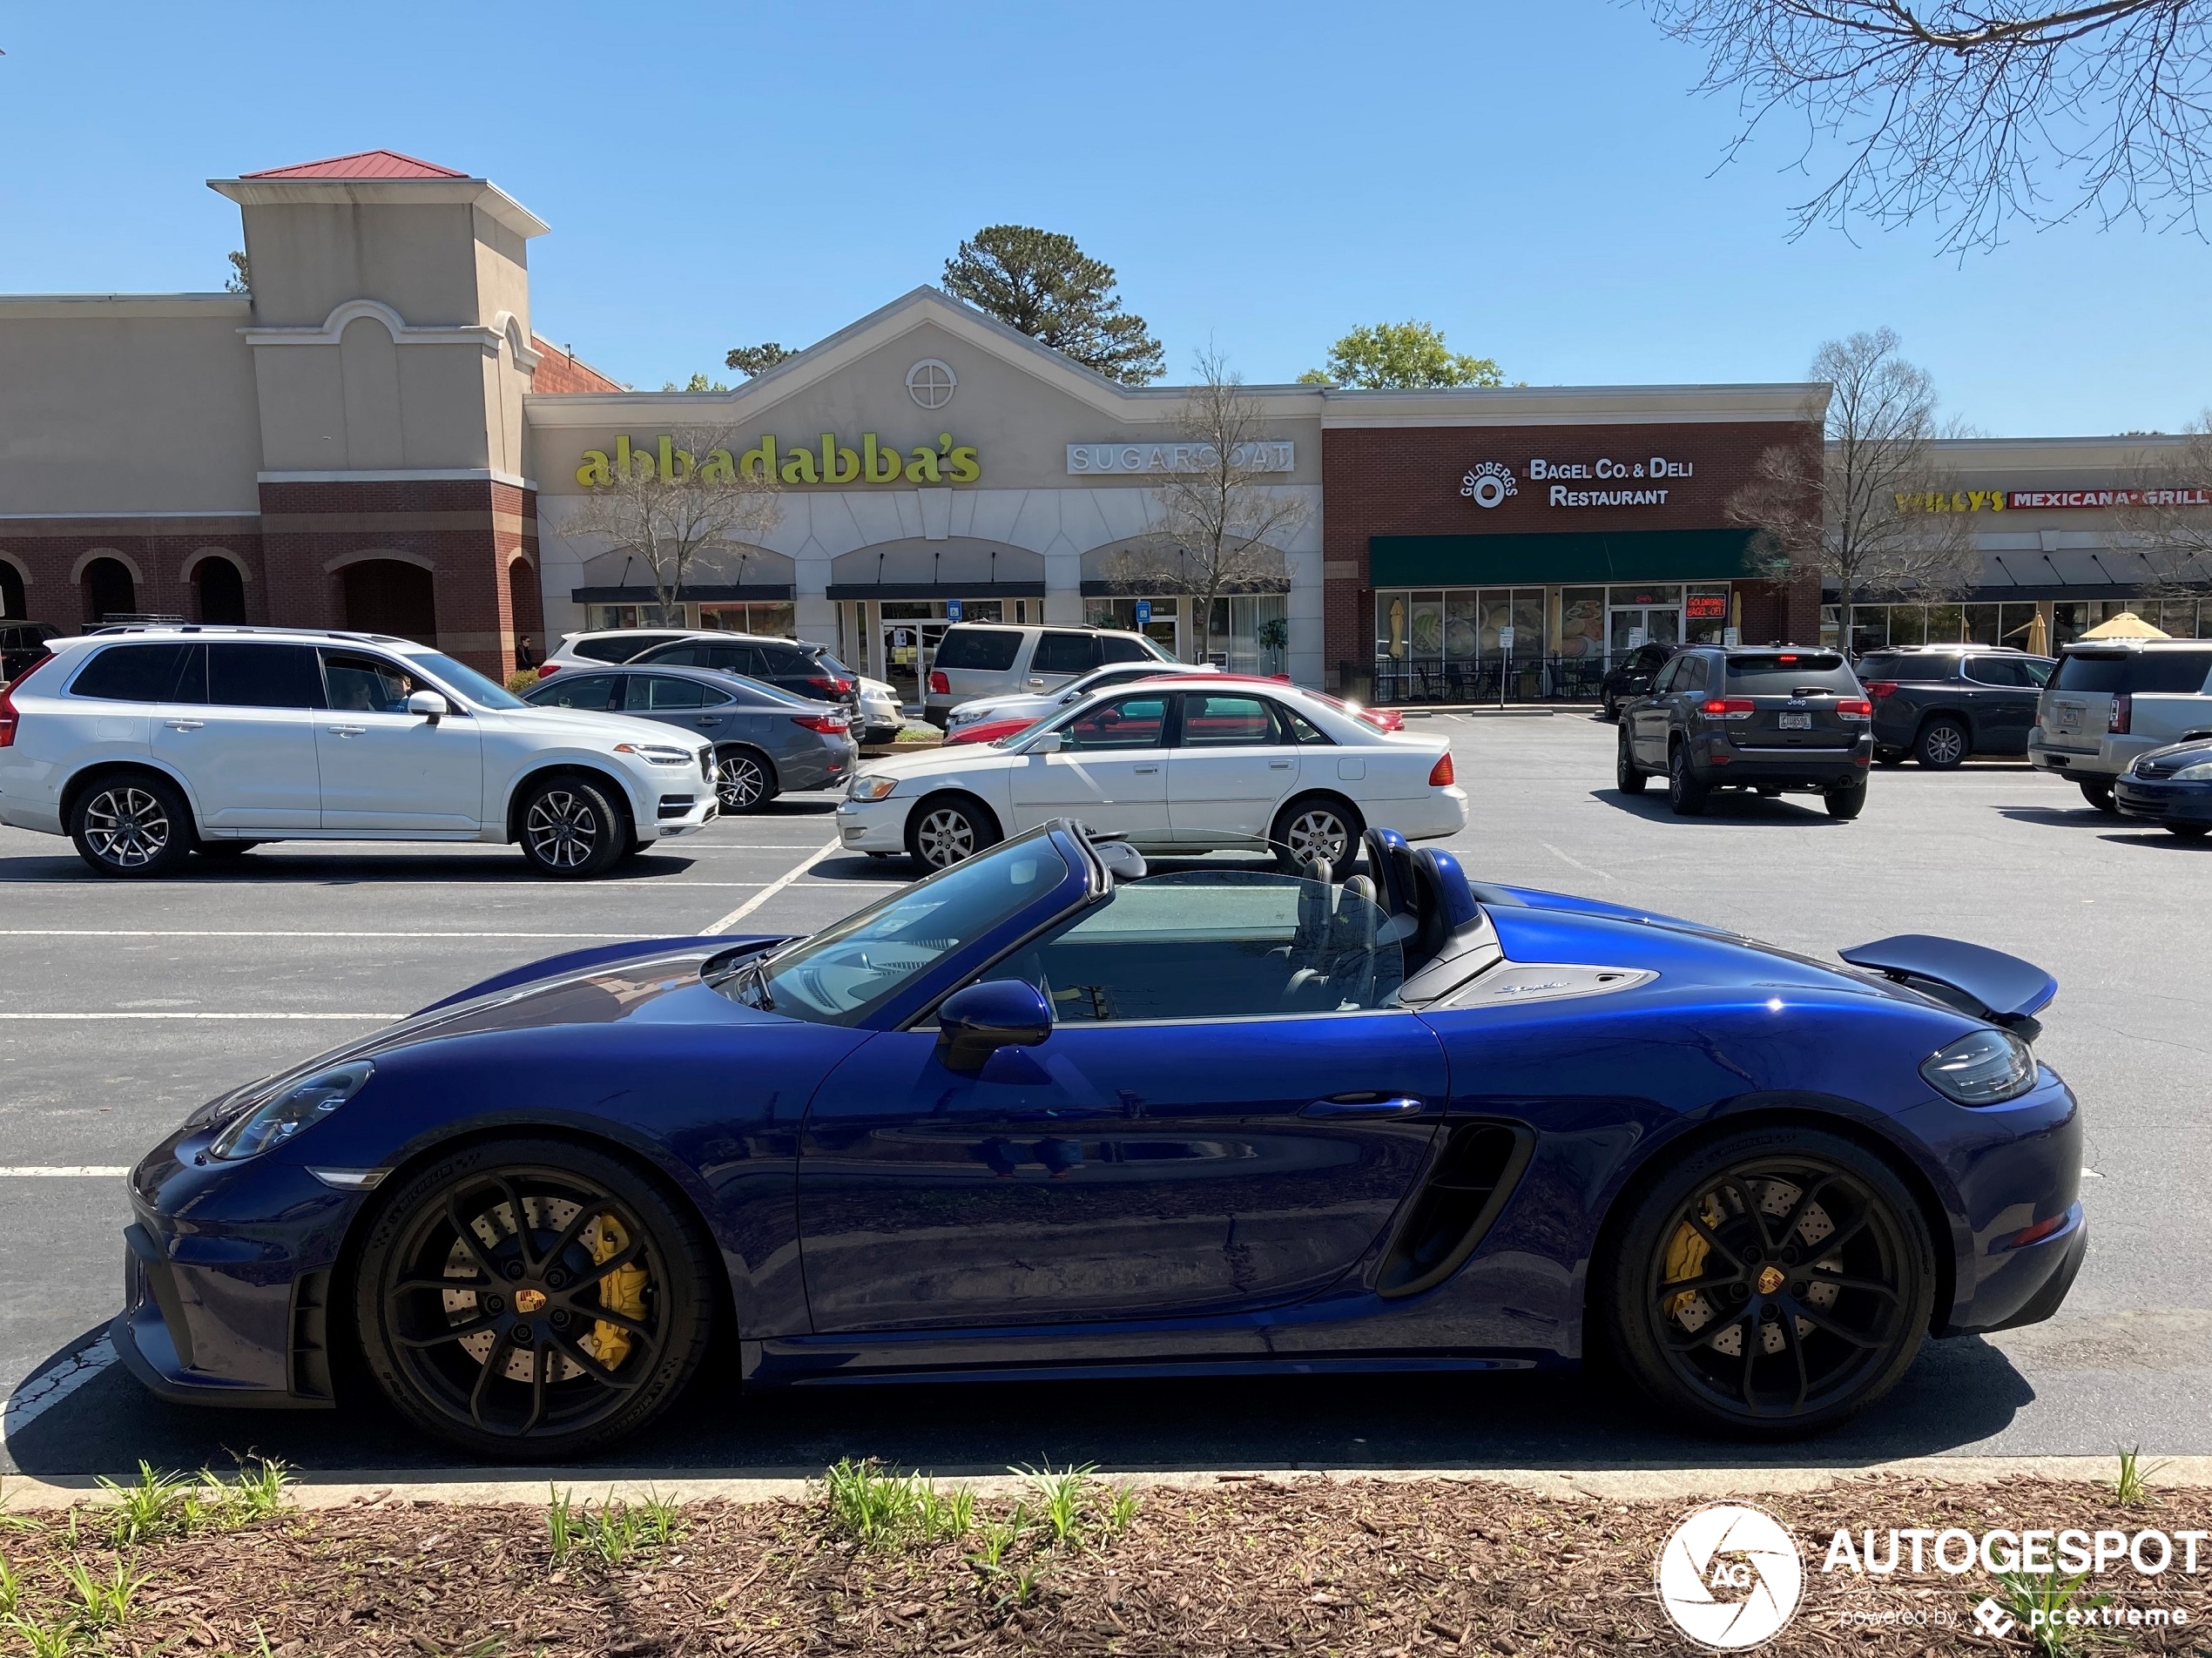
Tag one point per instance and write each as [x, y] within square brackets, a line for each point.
[622, 1291]
[1686, 1253]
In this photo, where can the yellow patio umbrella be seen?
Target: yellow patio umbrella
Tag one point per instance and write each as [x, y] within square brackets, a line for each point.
[2039, 637]
[2126, 625]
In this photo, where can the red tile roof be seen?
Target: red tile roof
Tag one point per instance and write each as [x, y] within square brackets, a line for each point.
[368, 164]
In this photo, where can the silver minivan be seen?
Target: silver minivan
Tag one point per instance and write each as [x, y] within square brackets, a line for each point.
[988, 659]
[2112, 699]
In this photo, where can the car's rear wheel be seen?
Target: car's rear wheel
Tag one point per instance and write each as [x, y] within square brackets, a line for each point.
[1318, 827]
[571, 829]
[745, 780]
[1685, 793]
[1942, 745]
[1773, 1282]
[1626, 777]
[133, 825]
[2099, 795]
[944, 830]
[1848, 801]
[533, 1299]
[224, 851]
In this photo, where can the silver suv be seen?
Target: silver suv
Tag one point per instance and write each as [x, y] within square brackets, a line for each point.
[2113, 699]
[988, 659]
[147, 745]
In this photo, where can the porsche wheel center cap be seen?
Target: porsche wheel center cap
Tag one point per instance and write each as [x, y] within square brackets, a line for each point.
[1770, 1281]
[528, 1301]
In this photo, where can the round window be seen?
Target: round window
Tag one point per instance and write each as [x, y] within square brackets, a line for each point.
[930, 383]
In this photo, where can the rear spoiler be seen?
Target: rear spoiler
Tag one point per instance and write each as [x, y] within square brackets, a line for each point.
[1987, 984]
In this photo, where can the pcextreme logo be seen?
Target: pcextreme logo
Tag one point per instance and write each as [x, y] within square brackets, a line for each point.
[872, 462]
[1730, 1577]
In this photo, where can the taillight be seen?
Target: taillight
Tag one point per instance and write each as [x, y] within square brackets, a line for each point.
[940, 686]
[1856, 708]
[844, 686]
[1878, 689]
[1728, 707]
[829, 724]
[9, 718]
[1440, 773]
[2123, 714]
[823, 682]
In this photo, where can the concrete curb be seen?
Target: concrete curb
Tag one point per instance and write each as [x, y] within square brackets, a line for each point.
[21, 1493]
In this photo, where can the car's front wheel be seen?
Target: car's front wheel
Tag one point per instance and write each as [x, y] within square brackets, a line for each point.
[743, 780]
[533, 1299]
[1626, 777]
[1772, 1282]
[571, 829]
[136, 823]
[943, 831]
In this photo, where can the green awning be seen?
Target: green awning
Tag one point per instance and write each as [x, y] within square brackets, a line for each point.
[1575, 555]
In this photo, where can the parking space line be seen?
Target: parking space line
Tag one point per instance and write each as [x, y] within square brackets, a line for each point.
[64, 1171]
[771, 889]
[380, 1019]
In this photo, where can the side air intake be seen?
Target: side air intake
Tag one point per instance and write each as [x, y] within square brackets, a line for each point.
[1473, 1179]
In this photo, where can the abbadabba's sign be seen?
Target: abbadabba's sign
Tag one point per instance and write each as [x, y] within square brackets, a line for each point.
[1621, 483]
[1271, 455]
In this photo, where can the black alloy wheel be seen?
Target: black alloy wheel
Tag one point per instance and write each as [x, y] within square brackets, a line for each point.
[942, 832]
[1685, 793]
[1847, 800]
[224, 852]
[571, 831]
[743, 780]
[1772, 1282]
[1608, 708]
[1626, 777]
[1318, 829]
[533, 1299]
[1942, 746]
[132, 826]
[2099, 794]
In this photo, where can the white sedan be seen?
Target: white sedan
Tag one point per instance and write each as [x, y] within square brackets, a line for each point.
[1170, 765]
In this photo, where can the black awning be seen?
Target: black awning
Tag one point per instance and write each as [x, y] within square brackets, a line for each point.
[936, 590]
[760, 592]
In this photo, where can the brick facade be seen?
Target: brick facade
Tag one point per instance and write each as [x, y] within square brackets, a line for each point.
[1406, 481]
[161, 553]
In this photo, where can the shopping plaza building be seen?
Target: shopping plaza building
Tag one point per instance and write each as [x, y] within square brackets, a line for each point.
[377, 437]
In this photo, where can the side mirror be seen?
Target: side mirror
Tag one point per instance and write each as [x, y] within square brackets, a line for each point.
[1048, 744]
[974, 1023]
[429, 704]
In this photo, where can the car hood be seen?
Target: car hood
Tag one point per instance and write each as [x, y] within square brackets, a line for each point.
[582, 726]
[932, 762]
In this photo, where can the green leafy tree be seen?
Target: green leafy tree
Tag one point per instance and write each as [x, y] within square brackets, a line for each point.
[240, 279]
[1400, 356]
[698, 383]
[1040, 282]
[755, 360]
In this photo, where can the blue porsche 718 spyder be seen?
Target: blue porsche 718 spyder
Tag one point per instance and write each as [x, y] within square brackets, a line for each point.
[1054, 1111]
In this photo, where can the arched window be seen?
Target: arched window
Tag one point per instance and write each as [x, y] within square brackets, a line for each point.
[109, 589]
[13, 605]
[222, 590]
[385, 595]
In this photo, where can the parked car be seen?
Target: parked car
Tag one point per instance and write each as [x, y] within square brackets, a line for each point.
[2115, 699]
[882, 718]
[1631, 677]
[145, 745]
[1775, 718]
[988, 659]
[802, 669]
[23, 643]
[1028, 708]
[606, 645]
[2171, 786]
[1056, 1110]
[1939, 703]
[1166, 767]
[767, 741]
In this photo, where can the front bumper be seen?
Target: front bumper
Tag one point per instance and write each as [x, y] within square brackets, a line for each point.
[882, 736]
[873, 826]
[2162, 799]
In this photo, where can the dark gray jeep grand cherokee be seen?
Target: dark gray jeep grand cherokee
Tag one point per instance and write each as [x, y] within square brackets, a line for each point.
[1764, 719]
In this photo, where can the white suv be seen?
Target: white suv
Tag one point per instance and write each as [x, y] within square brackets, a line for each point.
[146, 744]
[984, 659]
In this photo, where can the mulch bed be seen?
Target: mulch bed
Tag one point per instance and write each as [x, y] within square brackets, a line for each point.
[1279, 1565]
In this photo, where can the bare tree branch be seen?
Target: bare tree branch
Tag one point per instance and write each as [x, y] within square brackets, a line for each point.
[683, 499]
[2168, 519]
[1973, 114]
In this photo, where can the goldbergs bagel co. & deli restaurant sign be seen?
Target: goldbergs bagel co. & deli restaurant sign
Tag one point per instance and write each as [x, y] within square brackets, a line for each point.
[769, 461]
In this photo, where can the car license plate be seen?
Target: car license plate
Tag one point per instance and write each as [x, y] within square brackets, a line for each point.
[1797, 722]
[2069, 721]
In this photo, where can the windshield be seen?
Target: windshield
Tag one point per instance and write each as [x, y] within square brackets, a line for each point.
[485, 693]
[1782, 673]
[839, 976]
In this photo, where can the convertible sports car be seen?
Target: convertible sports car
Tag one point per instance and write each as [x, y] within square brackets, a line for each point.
[1052, 1111]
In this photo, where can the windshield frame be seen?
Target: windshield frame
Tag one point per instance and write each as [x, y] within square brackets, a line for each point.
[446, 673]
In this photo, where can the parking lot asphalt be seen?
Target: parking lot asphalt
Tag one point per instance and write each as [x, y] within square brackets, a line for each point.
[123, 1005]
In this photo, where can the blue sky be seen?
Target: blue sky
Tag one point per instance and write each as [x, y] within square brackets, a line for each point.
[1538, 181]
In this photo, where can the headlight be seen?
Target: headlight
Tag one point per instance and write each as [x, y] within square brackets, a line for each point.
[870, 788]
[2201, 773]
[1986, 1068]
[296, 1106]
[655, 754]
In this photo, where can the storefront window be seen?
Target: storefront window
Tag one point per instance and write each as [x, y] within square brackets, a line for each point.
[1251, 633]
[776, 620]
[1102, 612]
[637, 615]
[1705, 614]
[1427, 638]
[1582, 622]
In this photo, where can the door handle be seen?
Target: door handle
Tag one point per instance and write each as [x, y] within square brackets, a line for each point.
[1146, 771]
[1365, 1105]
[1280, 765]
[348, 730]
[709, 719]
[184, 724]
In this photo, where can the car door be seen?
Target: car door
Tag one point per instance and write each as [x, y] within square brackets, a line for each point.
[1058, 657]
[1230, 767]
[689, 705]
[1111, 770]
[1648, 716]
[240, 730]
[386, 769]
[1191, 1138]
[2002, 697]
